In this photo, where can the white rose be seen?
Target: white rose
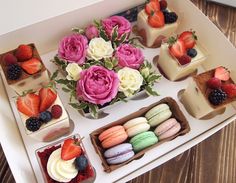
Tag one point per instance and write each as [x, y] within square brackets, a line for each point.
[99, 48]
[73, 70]
[130, 81]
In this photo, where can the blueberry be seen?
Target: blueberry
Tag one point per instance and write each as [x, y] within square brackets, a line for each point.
[192, 52]
[81, 162]
[45, 116]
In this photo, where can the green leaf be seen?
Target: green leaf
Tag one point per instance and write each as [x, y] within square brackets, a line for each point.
[150, 91]
[97, 23]
[79, 106]
[114, 33]
[153, 78]
[93, 109]
[103, 35]
[114, 61]
[66, 90]
[78, 30]
[123, 38]
[108, 64]
[54, 75]
[62, 81]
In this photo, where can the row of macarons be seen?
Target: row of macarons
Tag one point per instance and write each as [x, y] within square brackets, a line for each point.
[123, 141]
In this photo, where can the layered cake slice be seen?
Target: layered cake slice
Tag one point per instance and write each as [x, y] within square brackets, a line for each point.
[156, 22]
[23, 68]
[66, 161]
[43, 115]
[181, 55]
[209, 92]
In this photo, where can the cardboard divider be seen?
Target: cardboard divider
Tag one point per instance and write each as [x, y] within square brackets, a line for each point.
[176, 113]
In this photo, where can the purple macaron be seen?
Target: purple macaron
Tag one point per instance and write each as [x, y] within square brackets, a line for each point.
[119, 154]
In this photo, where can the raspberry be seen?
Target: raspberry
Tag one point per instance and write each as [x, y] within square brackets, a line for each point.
[214, 83]
[185, 59]
[217, 96]
[14, 72]
[9, 59]
[163, 4]
[33, 124]
[230, 89]
[56, 111]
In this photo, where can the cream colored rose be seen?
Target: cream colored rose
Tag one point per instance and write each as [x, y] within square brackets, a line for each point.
[130, 81]
[73, 70]
[99, 48]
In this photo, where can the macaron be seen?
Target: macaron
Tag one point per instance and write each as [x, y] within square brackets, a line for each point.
[136, 126]
[158, 114]
[119, 153]
[167, 129]
[143, 140]
[113, 136]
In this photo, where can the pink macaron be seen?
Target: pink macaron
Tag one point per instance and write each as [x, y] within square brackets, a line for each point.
[167, 129]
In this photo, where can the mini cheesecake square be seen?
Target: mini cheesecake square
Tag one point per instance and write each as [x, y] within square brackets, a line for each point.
[196, 95]
[152, 37]
[171, 66]
[25, 81]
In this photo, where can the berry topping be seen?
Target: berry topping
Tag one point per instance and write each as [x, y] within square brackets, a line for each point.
[163, 4]
[47, 98]
[185, 59]
[14, 72]
[70, 149]
[45, 116]
[214, 83]
[230, 90]
[170, 17]
[217, 96]
[9, 59]
[192, 52]
[33, 124]
[32, 66]
[189, 38]
[177, 47]
[156, 19]
[222, 73]
[28, 104]
[152, 6]
[24, 52]
[81, 163]
[56, 111]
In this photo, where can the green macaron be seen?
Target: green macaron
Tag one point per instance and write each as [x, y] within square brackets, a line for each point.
[143, 140]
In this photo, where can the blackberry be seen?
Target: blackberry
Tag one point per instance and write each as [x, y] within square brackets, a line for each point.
[217, 96]
[45, 116]
[81, 162]
[33, 124]
[14, 72]
[170, 17]
[192, 52]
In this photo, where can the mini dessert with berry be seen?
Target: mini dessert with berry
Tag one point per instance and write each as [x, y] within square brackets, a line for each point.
[66, 162]
[209, 92]
[22, 67]
[156, 22]
[43, 114]
[181, 55]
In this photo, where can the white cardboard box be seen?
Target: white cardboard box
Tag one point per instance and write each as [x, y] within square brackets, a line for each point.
[47, 33]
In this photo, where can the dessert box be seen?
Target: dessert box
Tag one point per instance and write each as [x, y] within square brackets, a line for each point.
[46, 43]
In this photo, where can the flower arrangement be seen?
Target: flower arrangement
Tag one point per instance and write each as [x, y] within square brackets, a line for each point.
[103, 65]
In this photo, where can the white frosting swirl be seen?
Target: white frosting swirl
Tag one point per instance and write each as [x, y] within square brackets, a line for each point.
[60, 170]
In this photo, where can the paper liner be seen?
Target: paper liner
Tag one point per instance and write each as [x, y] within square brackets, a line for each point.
[176, 113]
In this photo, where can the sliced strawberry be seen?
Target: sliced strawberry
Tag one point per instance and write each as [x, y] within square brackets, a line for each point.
[28, 104]
[156, 19]
[214, 83]
[222, 73]
[70, 149]
[24, 52]
[177, 48]
[185, 59]
[230, 89]
[47, 98]
[32, 66]
[152, 6]
[189, 38]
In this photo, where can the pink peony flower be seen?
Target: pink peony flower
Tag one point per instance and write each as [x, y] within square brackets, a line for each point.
[73, 48]
[91, 32]
[97, 85]
[123, 24]
[129, 56]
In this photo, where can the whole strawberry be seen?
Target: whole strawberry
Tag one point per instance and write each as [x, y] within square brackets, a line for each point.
[24, 52]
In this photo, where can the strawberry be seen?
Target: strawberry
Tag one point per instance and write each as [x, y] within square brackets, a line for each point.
[214, 83]
[230, 90]
[222, 73]
[152, 6]
[32, 66]
[70, 149]
[163, 4]
[28, 104]
[185, 59]
[156, 19]
[176, 48]
[24, 52]
[189, 38]
[47, 98]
